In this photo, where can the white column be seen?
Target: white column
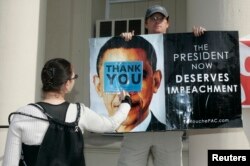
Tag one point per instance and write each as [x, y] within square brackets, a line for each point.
[218, 15]
[22, 36]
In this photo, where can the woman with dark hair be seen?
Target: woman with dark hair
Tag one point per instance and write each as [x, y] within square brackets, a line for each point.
[34, 126]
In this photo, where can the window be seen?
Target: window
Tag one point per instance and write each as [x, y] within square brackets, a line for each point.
[106, 28]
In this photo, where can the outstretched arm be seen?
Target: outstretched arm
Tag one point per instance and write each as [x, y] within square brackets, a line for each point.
[92, 121]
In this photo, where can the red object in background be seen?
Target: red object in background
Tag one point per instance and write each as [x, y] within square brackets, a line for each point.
[245, 82]
[245, 71]
[246, 42]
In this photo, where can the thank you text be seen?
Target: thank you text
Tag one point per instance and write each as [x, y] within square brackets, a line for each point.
[121, 75]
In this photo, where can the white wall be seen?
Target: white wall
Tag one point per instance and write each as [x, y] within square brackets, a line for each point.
[67, 33]
[219, 15]
[22, 43]
[19, 45]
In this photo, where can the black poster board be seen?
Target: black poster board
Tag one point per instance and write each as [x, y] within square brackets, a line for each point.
[202, 80]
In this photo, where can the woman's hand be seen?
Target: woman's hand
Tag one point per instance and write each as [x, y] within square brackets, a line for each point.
[125, 97]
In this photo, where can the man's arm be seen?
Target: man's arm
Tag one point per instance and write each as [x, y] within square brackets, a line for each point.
[197, 30]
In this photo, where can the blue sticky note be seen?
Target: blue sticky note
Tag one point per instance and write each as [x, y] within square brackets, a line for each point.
[126, 75]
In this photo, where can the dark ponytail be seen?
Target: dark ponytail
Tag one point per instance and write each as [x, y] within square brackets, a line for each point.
[55, 73]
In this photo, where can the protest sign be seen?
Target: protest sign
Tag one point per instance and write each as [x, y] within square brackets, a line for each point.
[176, 81]
[136, 66]
[203, 80]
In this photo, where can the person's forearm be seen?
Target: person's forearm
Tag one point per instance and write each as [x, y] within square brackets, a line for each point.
[94, 122]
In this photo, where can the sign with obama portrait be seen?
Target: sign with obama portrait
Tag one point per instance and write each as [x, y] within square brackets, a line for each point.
[136, 66]
[175, 81]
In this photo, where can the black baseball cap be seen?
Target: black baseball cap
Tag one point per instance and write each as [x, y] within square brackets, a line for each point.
[156, 9]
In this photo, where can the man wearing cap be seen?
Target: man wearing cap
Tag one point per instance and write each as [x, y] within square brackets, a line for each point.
[165, 147]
